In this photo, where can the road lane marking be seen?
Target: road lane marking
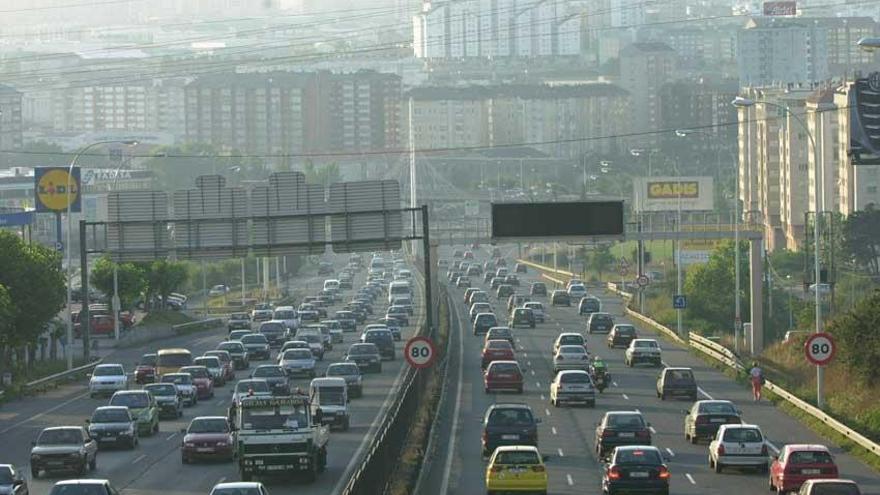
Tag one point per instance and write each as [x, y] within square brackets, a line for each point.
[533, 372]
[47, 411]
[169, 437]
[653, 431]
[671, 453]
[547, 411]
[529, 363]
[560, 452]
[625, 396]
[450, 453]
[525, 354]
[772, 447]
[569, 480]
[543, 398]
[221, 402]
[553, 429]
[700, 390]
[538, 384]
[614, 383]
[690, 478]
[638, 410]
[139, 458]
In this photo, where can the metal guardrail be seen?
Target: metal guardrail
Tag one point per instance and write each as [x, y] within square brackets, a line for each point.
[69, 374]
[547, 269]
[200, 324]
[554, 280]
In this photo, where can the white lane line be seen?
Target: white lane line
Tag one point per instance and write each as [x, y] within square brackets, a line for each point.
[569, 480]
[450, 452]
[690, 478]
[525, 354]
[553, 429]
[221, 402]
[653, 431]
[529, 364]
[543, 398]
[547, 411]
[625, 396]
[614, 383]
[671, 453]
[638, 410]
[538, 384]
[221, 480]
[533, 372]
[774, 448]
[139, 458]
[560, 452]
[169, 437]
[700, 390]
[47, 411]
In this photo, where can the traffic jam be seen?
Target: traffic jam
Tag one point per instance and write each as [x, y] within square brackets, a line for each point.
[502, 309]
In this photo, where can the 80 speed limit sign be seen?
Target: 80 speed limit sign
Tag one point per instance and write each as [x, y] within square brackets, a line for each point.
[819, 349]
[420, 352]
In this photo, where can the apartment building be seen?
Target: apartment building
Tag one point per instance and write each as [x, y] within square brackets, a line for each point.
[644, 69]
[446, 118]
[858, 172]
[10, 118]
[778, 50]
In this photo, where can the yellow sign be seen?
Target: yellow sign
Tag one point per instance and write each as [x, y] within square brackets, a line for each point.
[673, 189]
[56, 189]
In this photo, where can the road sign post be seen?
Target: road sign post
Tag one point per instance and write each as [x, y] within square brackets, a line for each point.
[820, 349]
[679, 301]
[420, 352]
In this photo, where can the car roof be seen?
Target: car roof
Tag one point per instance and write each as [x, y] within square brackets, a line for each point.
[517, 448]
[680, 368]
[572, 372]
[129, 392]
[814, 447]
[639, 447]
[830, 481]
[608, 413]
[569, 334]
[713, 401]
[732, 426]
[54, 428]
[644, 340]
[238, 484]
[509, 405]
[328, 380]
[111, 408]
[83, 482]
[210, 417]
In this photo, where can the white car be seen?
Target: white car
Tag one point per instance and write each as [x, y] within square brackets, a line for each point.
[643, 351]
[477, 308]
[571, 357]
[738, 445]
[569, 338]
[239, 488]
[537, 310]
[572, 386]
[218, 290]
[298, 362]
[577, 291]
[107, 379]
[288, 315]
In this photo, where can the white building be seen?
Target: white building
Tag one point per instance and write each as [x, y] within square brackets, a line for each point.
[775, 50]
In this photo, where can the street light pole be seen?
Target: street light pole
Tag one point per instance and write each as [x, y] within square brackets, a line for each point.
[115, 301]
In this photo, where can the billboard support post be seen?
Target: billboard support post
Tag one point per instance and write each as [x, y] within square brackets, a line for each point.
[429, 293]
[641, 264]
[84, 317]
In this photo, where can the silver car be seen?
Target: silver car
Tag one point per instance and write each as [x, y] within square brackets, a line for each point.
[571, 357]
[298, 362]
[352, 375]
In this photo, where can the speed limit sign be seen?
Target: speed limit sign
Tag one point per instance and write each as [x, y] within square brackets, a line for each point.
[819, 349]
[420, 352]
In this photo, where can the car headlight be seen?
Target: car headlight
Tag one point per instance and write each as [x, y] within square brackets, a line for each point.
[221, 444]
[35, 457]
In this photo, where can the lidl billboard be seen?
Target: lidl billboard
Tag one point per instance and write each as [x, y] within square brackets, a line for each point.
[665, 193]
[57, 187]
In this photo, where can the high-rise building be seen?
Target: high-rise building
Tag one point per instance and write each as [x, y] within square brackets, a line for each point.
[644, 69]
[10, 118]
[776, 50]
[858, 185]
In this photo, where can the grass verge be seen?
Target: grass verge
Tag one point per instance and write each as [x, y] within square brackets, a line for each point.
[164, 318]
[39, 369]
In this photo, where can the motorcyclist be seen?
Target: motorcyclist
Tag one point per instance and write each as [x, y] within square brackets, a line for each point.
[599, 368]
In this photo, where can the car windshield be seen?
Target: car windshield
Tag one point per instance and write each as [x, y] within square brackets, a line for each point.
[519, 416]
[110, 416]
[601, 319]
[717, 408]
[130, 400]
[625, 421]
[254, 339]
[60, 437]
[280, 417]
[645, 343]
[285, 315]
[521, 457]
[486, 319]
[295, 354]
[271, 328]
[362, 349]
[638, 456]
[208, 425]
[809, 457]
[498, 344]
[743, 435]
[268, 371]
[230, 346]
[575, 378]
[571, 340]
[499, 334]
[311, 338]
[835, 488]
[207, 362]
[79, 489]
[342, 370]
[256, 385]
[239, 316]
[331, 396]
[108, 371]
[148, 360]
[161, 390]
[572, 349]
[499, 367]
[6, 477]
[680, 375]
[627, 330]
[197, 372]
[177, 379]
[534, 306]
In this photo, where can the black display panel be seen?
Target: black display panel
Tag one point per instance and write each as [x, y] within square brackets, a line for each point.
[576, 219]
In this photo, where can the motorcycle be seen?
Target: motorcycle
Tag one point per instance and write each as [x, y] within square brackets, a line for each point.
[601, 380]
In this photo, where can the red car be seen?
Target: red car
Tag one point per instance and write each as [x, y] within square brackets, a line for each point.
[100, 325]
[146, 369]
[798, 463]
[208, 437]
[225, 361]
[497, 350]
[201, 379]
[503, 375]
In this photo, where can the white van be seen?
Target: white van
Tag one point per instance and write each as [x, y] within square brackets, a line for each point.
[399, 288]
[330, 395]
[377, 263]
[331, 284]
[288, 315]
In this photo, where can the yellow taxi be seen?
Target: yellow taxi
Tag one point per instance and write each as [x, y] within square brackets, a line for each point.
[516, 468]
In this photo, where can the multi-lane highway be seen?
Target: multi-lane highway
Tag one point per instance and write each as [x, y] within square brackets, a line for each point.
[155, 466]
[567, 434]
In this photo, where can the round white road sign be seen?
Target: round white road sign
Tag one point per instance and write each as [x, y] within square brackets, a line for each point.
[420, 352]
[819, 349]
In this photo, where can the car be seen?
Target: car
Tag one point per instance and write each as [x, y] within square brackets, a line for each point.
[704, 418]
[599, 323]
[537, 310]
[502, 272]
[830, 487]
[324, 332]
[393, 325]
[569, 338]
[503, 375]
[572, 386]
[560, 298]
[336, 334]
[619, 428]
[257, 346]
[488, 276]
[106, 379]
[274, 331]
[480, 307]
[258, 315]
[442, 263]
[354, 380]
[458, 253]
[496, 252]
[496, 282]
[113, 425]
[275, 376]
[643, 351]
[236, 335]
[384, 341]
[589, 304]
[468, 255]
[287, 315]
[515, 301]
[508, 424]
[463, 281]
[400, 313]
[474, 271]
[315, 341]
[467, 294]
[798, 463]
[571, 357]
[185, 386]
[84, 487]
[500, 333]
[366, 356]
[202, 380]
[237, 352]
[238, 321]
[511, 280]
[215, 368]
[207, 437]
[145, 371]
[576, 291]
[239, 488]
[479, 296]
[251, 387]
[521, 317]
[218, 290]
[504, 290]
[496, 350]
[11, 481]
[621, 335]
[143, 407]
[347, 320]
[483, 322]
[63, 448]
[516, 468]
[298, 361]
[738, 446]
[636, 469]
[677, 382]
[227, 365]
[167, 399]
[520, 268]
[538, 289]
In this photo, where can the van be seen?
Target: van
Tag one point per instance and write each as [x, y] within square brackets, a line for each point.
[331, 285]
[399, 288]
[377, 263]
[288, 315]
[330, 396]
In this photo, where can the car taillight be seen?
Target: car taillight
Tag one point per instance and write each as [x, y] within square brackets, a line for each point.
[485, 437]
[702, 420]
[643, 433]
[720, 449]
[663, 473]
[613, 473]
[496, 469]
[538, 469]
[764, 450]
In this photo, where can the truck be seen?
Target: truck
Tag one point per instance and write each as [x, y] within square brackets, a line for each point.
[330, 395]
[279, 435]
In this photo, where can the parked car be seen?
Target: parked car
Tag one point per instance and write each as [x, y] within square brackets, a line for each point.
[619, 428]
[798, 463]
[63, 448]
[572, 386]
[508, 424]
[677, 382]
[503, 375]
[738, 446]
[705, 417]
[636, 469]
[207, 437]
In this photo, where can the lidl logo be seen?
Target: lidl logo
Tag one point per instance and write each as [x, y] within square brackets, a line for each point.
[55, 189]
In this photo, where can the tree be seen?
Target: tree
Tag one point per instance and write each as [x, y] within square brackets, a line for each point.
[322, 174]
[164, 277]
[711, 287]
[601, 259]
[857, 336]
[131, 280]
[861, 238]
[35, 287]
